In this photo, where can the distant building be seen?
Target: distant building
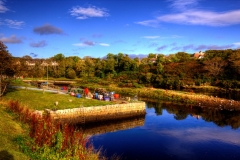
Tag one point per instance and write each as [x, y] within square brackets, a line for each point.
[199, 55]
[30, 63]
[44, 64]
[54, 63]
[153, 60]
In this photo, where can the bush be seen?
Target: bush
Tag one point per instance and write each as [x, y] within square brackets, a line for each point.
[198, 82]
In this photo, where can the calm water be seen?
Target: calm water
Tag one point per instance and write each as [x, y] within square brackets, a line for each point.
[170, 131]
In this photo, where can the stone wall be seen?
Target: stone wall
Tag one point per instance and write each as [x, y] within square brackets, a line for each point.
[99, 113]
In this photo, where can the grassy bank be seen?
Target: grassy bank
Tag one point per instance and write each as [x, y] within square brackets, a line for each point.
[24, 135]
[10, 129]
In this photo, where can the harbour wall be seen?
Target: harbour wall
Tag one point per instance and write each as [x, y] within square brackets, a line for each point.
[98, 113]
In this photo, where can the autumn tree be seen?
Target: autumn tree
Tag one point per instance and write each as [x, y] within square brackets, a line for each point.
[234, 59]
[6, 66]
[215, 66]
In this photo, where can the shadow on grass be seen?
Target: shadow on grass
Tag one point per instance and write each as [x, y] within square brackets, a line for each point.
[5, 155]
[9, 90]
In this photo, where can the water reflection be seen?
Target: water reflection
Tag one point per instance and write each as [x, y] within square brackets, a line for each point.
[173, 131]
[111, 126]
[181, 112]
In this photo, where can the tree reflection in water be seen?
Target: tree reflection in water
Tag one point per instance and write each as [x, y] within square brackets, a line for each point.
[180, 111]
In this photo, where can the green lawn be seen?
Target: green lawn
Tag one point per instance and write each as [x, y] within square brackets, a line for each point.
[9, 130]
[40, 101]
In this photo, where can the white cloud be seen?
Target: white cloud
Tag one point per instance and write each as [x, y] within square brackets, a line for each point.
[151, 37]
[90, 44]
[237, 43]
[161, 37]
[188, 14]
[3, 9]
[190, 47]
[183, 4]
[150, 23]
[14, 24]
[197, 17]
[79, 44]
[104, 44]
[200, 17]
[85, 13]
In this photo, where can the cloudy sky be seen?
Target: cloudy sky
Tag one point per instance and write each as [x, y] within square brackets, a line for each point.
[44, 28]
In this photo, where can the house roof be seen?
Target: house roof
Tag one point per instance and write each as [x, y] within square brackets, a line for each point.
[198, 55]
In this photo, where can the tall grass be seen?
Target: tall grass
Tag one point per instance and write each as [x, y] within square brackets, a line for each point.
[9, 130]
[50, 139]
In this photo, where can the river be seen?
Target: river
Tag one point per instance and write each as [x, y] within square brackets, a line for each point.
[172, 131]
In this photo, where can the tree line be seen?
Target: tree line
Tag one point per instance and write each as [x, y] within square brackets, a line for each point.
[215, 67]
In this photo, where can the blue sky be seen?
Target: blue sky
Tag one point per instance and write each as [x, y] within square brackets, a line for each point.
[44, 28]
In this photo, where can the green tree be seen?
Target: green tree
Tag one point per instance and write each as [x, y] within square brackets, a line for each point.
[161, 59]
[152, 55]
[110, 64]
[224, 54]
[135, 64]
[58, 57]
[71, 73]
[59, 70]
[173, 58]
[90, 66]
[159, 68]
[100, 68]
[125, 63]
[80, 68]
[183, 57]
[118, 60]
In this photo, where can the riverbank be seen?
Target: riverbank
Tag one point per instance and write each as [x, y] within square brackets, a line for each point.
[189, 98]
